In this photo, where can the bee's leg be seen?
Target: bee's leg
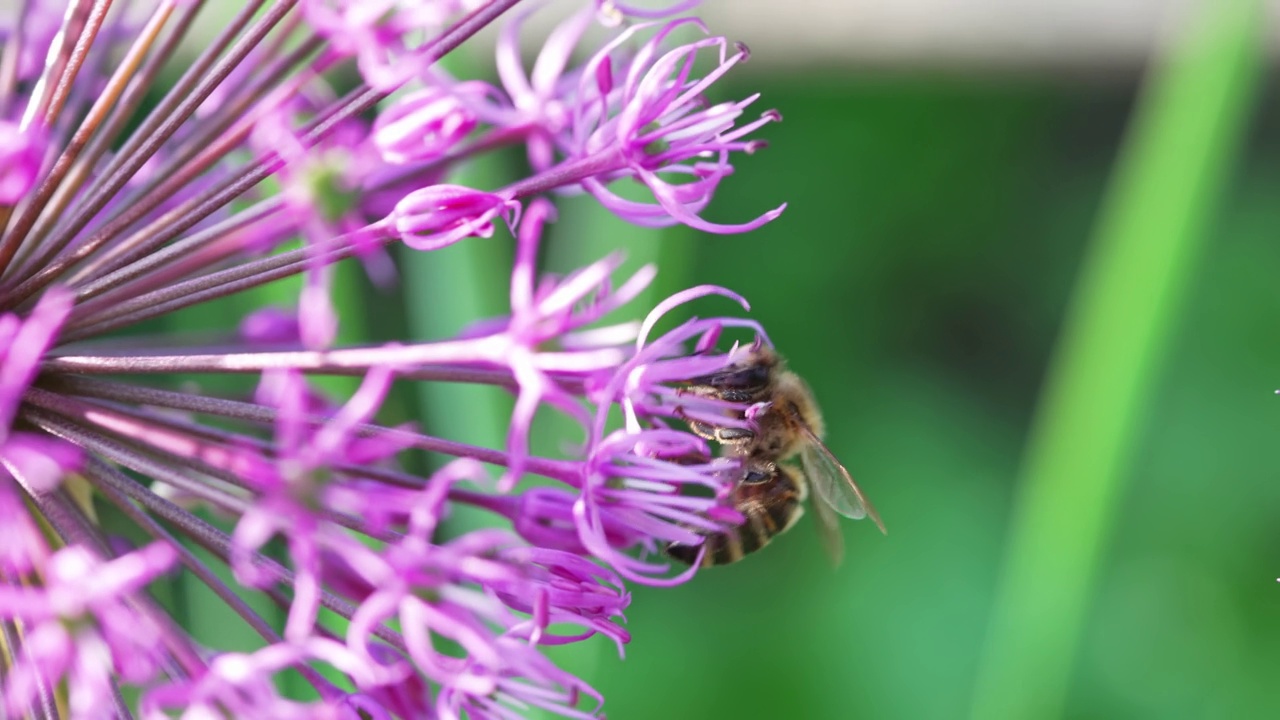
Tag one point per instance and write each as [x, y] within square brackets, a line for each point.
[703, 430]
[732, 435]
[740, 383]
[686, 554]
[722, 435]
[758, 474]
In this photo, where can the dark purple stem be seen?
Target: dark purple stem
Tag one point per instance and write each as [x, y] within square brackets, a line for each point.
[111, 483]
[190, 91]
[505, 505]
[498, 377]
[84, 43]
[121, 455]
[82, 411]
[570, 172]
[565, 471]
[176, 251]
[219, 544]
[120, 489]
[218, 284]
[45, 706]
[79, 28]
[72, 527]
[494, 139]
[122, 110]
[197, 209]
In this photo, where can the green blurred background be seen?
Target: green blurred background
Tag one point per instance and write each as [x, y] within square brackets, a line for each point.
[919, 280]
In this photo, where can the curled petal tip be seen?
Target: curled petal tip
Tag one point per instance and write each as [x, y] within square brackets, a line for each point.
[440, 215]
[681, 298]
[422, 126]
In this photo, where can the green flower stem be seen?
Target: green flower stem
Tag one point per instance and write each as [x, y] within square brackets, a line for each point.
[1174, 165]
[444, 289]
[447, 288]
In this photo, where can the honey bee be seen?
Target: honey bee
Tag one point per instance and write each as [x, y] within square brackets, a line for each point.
[771, 495]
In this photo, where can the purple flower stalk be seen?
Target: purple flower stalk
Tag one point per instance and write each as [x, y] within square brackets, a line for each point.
[251, 168]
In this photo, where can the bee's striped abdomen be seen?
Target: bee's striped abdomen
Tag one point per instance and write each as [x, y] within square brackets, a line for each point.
[770, 506]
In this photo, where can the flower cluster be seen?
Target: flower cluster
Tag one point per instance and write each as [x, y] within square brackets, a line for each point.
[121, 205]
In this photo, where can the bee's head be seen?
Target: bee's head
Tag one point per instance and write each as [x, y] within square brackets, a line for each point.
[743, 381]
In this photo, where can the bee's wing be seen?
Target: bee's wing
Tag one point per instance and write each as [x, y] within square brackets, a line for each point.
[833, 483]
[829, 531]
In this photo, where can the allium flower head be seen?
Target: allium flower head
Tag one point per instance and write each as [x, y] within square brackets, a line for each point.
[123, 202]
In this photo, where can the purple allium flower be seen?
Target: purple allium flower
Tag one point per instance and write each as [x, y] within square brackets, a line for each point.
[424, 125]
[81, 626]
[647, 113]
[19, 161]
[122, 203]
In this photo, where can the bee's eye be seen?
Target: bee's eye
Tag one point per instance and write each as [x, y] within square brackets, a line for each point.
[756, 376]
[742, 378]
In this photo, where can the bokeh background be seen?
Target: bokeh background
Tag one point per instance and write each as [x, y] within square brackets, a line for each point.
[943, 201]
[941, 207]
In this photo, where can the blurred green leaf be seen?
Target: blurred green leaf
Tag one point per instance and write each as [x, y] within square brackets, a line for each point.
[1172, 172]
